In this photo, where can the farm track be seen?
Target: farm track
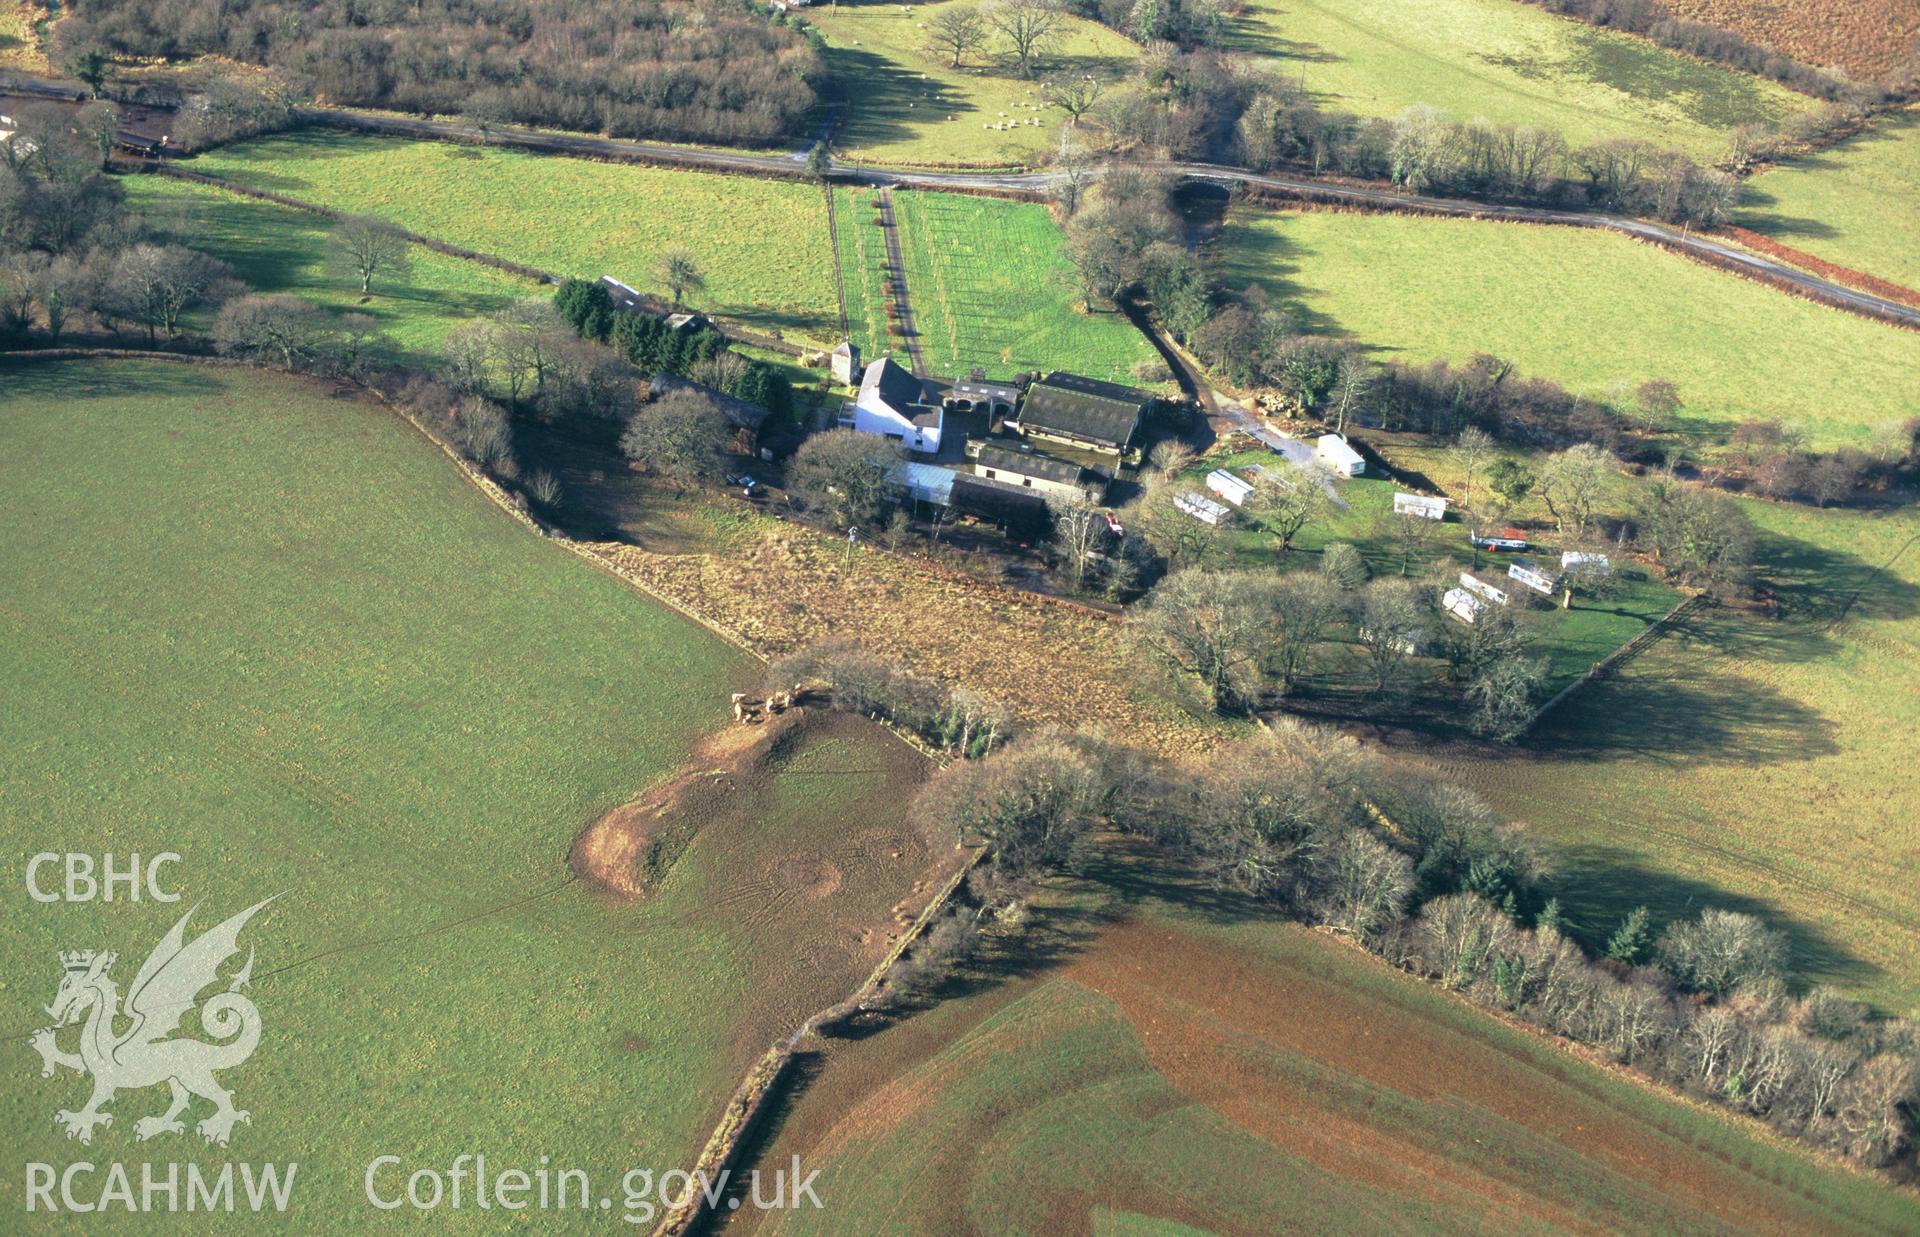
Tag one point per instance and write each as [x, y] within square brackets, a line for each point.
[897, 282]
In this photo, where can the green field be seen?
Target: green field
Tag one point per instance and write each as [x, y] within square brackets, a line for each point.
[1757, 763]
[992, 286]
[1183, 1059]
[280, 249]
[257, 622]
[907, 105]
[762, 244]
[1572, 639]
[863, 269]
[1857, 204]
[1508, 62]
[1589, 310]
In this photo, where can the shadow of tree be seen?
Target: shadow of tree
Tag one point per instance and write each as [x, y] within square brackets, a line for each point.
[1598, 883]
[885, 96]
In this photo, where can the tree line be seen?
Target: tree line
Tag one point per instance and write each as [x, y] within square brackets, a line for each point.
[1125, 240]
[702, 70]
[1427, 876]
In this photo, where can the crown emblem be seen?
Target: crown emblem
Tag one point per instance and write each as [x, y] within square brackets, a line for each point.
[78, 959]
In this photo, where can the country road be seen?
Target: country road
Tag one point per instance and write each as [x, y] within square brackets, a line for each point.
[1038, 184]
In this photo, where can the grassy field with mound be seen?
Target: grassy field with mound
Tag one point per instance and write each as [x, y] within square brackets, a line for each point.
[260, 623]
[1759, 763]
[992, 286]
[280, 249]
[1589, 310]
[1857, 204]
[762, 244]
[1164, 1055]
[909, 105]
[1509, 62]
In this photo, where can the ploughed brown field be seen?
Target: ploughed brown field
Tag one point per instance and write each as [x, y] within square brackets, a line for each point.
[1865, 37]
[1175, 1056]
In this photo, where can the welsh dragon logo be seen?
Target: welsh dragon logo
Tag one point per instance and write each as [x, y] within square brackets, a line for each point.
[134, 1047]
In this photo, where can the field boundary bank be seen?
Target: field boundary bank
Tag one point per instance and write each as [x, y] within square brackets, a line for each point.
[833, 243]
[764, 1082]
[1884, 288]
[1620, 656]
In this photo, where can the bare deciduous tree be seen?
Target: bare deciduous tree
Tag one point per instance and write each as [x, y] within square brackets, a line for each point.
[1075, 95]
[366, 246]
[1285, 499]
[1718, 951]
[1080, 533]
[1472, 453]
[1212, 625]
[1572, 482]
[1030, 28]
[955, 30]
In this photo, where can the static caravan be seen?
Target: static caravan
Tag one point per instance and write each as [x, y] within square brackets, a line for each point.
[1580, 563]
[1529, 574]
[1200, 507]
[1462, 605]
[1420, 505]
[1505, 539]
[1481, 589]
[1340, 456]
[1235, 490]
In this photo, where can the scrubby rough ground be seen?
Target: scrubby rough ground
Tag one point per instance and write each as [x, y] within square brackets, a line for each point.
[1172, 1056]
[1864, 37]
[782, 587]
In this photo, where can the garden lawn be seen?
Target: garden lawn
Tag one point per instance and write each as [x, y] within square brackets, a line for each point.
[1182, 1058]
[908, 105]
[992, 286]
[279, 249]
[260, 623]
[1757, 763]
[1509, 62]
[1593, 311]
[1857, 204]
[761, 244]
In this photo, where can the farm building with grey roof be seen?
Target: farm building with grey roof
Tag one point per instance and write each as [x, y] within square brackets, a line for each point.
[1084, 412]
